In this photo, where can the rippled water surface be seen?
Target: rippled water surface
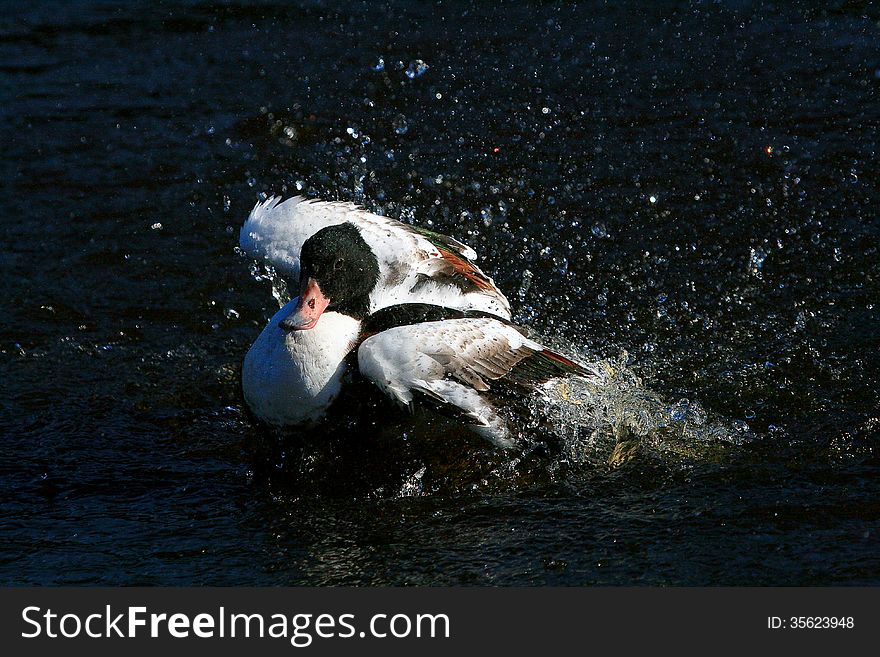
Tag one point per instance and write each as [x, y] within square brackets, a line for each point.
[684, 193]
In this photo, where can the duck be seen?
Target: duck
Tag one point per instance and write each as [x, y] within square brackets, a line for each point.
[292, 377]
[398, 306]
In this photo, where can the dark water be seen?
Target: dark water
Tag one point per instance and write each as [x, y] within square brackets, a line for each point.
[695, 184]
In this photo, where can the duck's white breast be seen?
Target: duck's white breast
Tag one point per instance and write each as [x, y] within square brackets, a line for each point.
[292, 377]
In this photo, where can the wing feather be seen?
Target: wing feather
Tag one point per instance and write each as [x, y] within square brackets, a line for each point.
[455, 361]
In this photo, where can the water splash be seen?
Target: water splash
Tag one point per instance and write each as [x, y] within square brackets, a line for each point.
[263, 271]
[609, 416]
[757, 256]
[413, 486]
[416, 69]
[400, 125]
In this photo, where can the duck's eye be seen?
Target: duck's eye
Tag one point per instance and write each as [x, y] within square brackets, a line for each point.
[337, 264]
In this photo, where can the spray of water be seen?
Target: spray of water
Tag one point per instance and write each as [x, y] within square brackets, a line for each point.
[609, 416]
[263, 271]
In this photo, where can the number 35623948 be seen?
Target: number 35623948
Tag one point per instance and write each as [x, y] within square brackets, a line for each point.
[810, 622]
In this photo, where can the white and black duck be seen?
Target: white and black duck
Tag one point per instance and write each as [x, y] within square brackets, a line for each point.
[427, 325]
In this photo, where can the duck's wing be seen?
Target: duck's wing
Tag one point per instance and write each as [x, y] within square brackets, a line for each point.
[416, 265]
[452, 363]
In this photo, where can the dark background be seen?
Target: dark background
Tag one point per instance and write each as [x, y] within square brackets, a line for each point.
[693, 183]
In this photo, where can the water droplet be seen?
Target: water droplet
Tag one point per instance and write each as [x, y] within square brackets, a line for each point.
[379, 65]
[399, 124]
[156, 226]
[740, 426]
[526, 283]
[413, 486]
[756, 261]
[416, 69]
[486, 215]
[652, 199]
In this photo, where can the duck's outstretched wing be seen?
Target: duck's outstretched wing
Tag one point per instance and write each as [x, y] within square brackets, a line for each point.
[416, 265]
[452, 364]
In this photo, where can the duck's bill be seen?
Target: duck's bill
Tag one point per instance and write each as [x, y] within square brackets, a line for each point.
[308, 311]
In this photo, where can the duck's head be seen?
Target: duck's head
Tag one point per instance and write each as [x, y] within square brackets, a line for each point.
[338, 270]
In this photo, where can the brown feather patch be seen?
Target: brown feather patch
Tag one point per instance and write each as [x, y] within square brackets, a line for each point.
[468, 270]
